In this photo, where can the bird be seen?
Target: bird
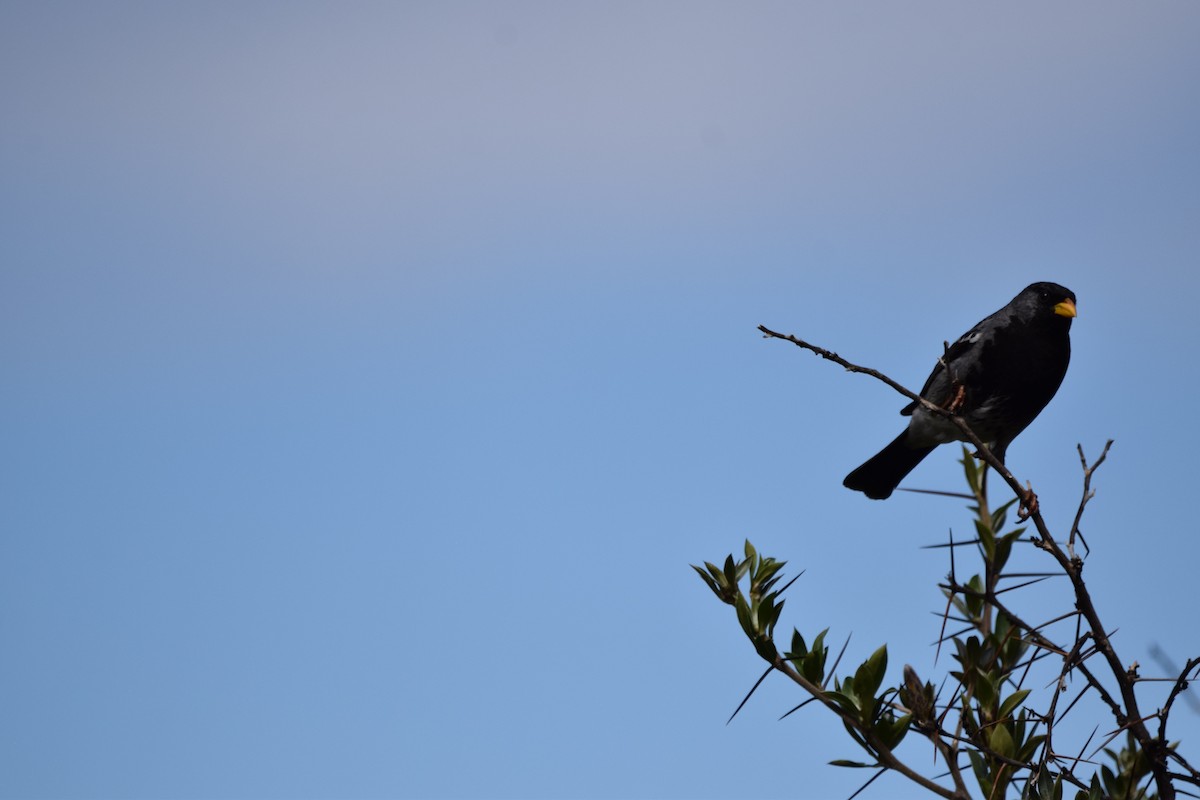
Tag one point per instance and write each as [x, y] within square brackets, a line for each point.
[997, 377]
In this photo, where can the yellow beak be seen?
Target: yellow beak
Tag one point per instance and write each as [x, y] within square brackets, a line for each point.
[1066, 309]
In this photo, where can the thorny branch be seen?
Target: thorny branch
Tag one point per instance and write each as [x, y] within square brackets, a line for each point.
[886, 757]
[1126, 712]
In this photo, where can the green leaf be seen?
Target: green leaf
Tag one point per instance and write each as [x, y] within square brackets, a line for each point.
[998, 516]
[979, 766]
[1013, 650]
[985, 690]
[869, 676]
[846, 700]
[745, 619]
[813, 666]
[1025, 752]
[1110, 780]
[1000, 740]
[987, 539]
[892, 731]
[974, 601]
[1047, 788]
[708, 580]
[969, 722]
[742, 569]
[731, 571]
[776, 610]
[841, 762]
[751, 553]
[1012, 701]
[765, 647]
[971, 469]
[854, 734]
[799, 648]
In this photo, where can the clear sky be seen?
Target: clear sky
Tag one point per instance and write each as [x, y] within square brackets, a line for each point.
[374, 371]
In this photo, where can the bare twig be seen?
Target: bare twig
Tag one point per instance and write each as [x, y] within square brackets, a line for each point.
[1181, 685]
[1088, 492]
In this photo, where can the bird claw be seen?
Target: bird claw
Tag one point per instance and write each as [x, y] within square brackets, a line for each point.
[956, 402]
[1029, 503]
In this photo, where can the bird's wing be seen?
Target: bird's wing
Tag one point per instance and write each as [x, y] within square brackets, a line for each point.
[962, 357]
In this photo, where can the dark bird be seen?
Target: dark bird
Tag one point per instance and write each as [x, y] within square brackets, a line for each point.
[998, 377]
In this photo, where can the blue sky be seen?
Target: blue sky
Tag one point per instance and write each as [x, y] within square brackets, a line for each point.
[374, 371]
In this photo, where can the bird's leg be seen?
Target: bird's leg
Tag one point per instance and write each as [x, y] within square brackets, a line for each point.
[1028, 504]
[956, 402]
[960, 392]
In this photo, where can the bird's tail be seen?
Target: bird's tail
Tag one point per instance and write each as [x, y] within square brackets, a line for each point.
[883, 472]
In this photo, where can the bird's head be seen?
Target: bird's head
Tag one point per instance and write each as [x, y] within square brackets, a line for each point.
[1049, 299]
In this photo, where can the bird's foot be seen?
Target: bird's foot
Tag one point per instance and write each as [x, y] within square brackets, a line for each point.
[1029, 503]
[956, 402]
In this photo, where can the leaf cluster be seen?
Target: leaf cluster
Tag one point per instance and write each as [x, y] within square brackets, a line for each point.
[986, 723]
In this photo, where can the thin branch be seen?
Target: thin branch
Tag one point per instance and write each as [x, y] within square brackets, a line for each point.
[829, 355]
[1088, 492]
[1181, 685]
